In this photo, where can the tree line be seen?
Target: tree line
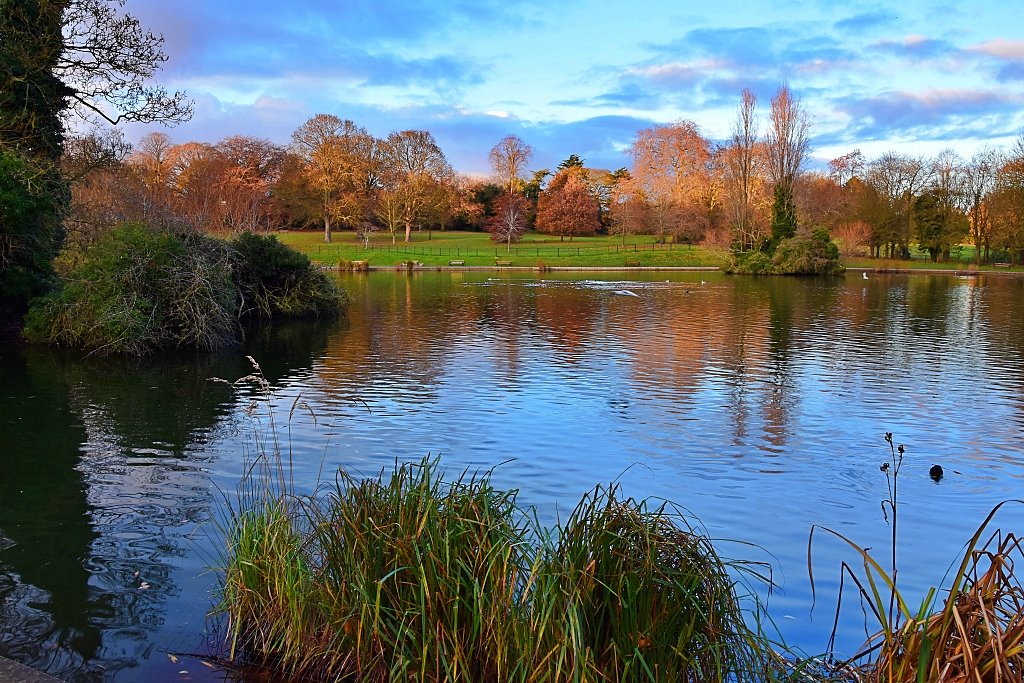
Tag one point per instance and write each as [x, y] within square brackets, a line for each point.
[747, 192]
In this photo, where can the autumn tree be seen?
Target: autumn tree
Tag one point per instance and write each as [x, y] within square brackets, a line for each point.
[1006, 206]
[197, 181]
[251, 168]
[629, 213]
[567, 207]
[948, 175]
[508, 223]
[896, 180]
[467, 211]
[337, 155]
[508, 160]
[821, 201]
[980, 178]
[415, 171]
[671, 164]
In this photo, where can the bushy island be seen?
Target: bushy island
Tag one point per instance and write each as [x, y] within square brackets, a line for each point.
[813, 254]
[789, 251]
[136, 290]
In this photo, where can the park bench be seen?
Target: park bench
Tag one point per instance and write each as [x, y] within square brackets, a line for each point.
[1000, 265]
[632, 264]
[502, 262]
[457, 262]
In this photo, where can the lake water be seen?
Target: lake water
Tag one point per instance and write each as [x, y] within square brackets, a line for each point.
[760, 405]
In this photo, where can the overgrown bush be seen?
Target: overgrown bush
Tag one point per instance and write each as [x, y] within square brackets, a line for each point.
[814, 254]
[273, 278]
[801, 254]
[135, 291]
[751, 263]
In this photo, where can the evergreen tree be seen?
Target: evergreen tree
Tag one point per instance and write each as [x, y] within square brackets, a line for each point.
[32, 96]
[783, 215]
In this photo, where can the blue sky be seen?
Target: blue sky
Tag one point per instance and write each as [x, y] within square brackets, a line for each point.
[583, 77]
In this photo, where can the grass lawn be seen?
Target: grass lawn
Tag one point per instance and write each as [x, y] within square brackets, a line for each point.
[477, 249]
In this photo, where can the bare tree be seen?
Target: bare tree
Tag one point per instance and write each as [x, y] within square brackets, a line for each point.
[787, 138]
[108, 60]
[509, 220]
[844, 168]
[152, 161]
[981, 174]
[509, 159]
[741, 166]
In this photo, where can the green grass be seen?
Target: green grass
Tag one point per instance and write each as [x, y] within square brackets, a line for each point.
[477, 249]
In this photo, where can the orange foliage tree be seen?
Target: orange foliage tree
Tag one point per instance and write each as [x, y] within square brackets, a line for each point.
[567, 208]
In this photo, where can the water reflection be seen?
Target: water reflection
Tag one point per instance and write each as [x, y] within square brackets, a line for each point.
[105, 484]
[759, 404]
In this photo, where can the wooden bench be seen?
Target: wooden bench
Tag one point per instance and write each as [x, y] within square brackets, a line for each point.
[457, 262]
[502, 262]
[632, 264]
[1000, 265]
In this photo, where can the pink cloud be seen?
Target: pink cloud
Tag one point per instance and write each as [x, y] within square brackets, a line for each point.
[1003, 49]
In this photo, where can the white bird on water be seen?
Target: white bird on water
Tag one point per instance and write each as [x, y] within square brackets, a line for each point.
[864, 275]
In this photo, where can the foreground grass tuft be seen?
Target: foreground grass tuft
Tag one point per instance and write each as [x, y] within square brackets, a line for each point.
[409, 577]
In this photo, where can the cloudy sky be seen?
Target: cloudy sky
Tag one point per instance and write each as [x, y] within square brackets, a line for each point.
[583, 77]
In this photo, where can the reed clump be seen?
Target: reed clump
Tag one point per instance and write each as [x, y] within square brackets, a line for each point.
[406, 577]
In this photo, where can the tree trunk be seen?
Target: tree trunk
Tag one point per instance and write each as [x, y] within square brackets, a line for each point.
[327, 228]
[408, 231]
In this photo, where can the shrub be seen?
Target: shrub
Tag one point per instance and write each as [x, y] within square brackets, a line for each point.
[135, 291]
[273, 278]
[802, 254]
[815, 254]
[751, 263]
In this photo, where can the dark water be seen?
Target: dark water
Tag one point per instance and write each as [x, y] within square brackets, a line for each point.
[758, 404]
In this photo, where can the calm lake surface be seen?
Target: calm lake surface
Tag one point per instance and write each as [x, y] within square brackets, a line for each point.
[760, 405]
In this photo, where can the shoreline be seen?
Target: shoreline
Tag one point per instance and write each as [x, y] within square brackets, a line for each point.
[958, 272]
